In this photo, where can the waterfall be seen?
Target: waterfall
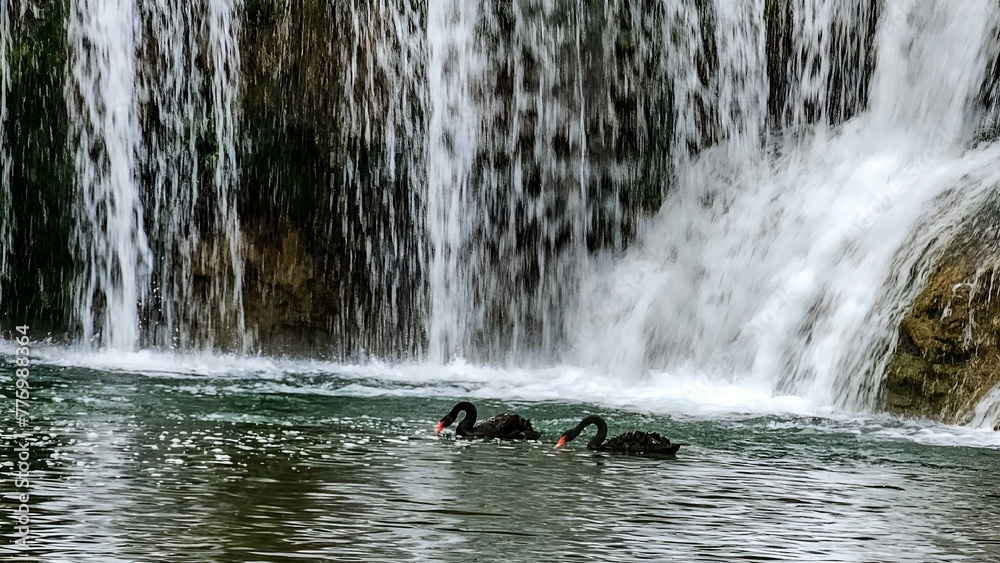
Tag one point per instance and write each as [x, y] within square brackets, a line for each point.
[745, 192]
[376, 201]
[174, 82]
[522, 175]
[455, 69]
[742, 80]
[223, 22]
[791, 269]
[139, 106]
[986, 414]
[104, 36]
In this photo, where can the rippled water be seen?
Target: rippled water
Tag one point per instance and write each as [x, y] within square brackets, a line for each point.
[280, 466]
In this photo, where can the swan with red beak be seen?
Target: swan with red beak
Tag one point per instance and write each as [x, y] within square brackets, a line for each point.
[635, 442]
[502, 426]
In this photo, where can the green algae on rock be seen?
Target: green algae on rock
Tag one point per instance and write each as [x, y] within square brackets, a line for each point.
[948, 356]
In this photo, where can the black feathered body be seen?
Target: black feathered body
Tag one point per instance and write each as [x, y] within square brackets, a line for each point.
[504, 427]
[638, 442]
[635, 442]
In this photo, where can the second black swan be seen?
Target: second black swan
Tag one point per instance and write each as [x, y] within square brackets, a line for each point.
[635, 442]
[502, 426]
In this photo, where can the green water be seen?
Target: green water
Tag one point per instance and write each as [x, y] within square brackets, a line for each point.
[129, 467]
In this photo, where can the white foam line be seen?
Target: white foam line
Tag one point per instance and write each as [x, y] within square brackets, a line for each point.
[676, 394]
[690, 394]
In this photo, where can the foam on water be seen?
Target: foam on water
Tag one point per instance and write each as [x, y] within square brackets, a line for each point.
[660, 392]
[688, 395]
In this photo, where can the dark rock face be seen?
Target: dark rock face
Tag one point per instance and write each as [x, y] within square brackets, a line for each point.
[37, 291]
[286, 301]
[948, 355]
[331, 213]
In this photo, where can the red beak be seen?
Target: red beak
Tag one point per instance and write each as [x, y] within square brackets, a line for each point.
[439, 428]
[561, 442]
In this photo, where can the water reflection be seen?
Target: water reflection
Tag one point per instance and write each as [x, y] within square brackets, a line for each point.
[140, 469]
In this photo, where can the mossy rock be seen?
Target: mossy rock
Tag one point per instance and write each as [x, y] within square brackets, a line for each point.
[947, 358]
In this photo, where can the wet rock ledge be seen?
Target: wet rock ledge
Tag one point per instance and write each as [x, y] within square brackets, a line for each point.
[948, 356]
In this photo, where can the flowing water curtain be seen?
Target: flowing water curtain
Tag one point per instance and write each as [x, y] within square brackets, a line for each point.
[455, 65]
[820, 59]
[191, 79]
[570, 155]
[857, 219]
[878, 199]
[742, 86]
[919, 42]
[931, 68]
[683, 109]
[989, 97]
[761, 270]
[227, 251]
[110, 239]
[373, 217]
[986, 414]
[156, 205]
[511, 172]
[175, 116]
[545, 217]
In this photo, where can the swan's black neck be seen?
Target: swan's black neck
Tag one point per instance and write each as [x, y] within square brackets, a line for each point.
[602, 431]
[464, 427]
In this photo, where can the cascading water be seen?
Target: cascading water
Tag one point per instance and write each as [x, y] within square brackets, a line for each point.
[986, 415]
[506, 178]
[223, 24]
[789, 271]
[139, 243]
[523, 167]
[742, 78]
[174, 82]
[376, 201]
[744, 192]
[455, 66]
[110, 238]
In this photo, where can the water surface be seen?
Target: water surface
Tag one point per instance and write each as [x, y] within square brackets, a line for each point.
[317, 466]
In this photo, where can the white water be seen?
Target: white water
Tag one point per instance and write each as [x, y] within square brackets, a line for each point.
[789, 270]
[223, 37]
[454, 62]
[173, 83]
[507, 176]
[110, 238]
[130, 267]
[382, 102]
[685, 395]
[742, 80]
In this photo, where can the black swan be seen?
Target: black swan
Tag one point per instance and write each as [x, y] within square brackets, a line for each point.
[503, 426]
[635, 442]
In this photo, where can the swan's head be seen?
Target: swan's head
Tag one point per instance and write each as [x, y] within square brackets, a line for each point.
[445, 423]
[567, 436]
